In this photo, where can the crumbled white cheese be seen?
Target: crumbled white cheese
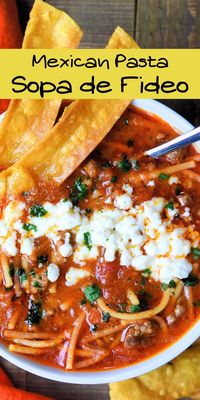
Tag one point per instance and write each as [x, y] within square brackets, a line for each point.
[140, 237]
[66, 249]
[171, 213]
[95, 194]
[8, 237]
[151, 183]
[83, 253]
[13, 211]
[180, 247]
[27, 246]
[108, 200]
[186, 213]
[152, 215]
[165, 269]
[144, 236]
[123, 202]
[9, 245]
[74, 275]
[53, 272]
[142, 262]
[127, 188]
[173, 180]
[59, 217]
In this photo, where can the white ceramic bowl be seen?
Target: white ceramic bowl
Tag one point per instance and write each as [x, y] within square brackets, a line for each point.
[140, 368]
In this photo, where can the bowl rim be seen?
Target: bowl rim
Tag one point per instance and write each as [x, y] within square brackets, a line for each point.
[115, 375]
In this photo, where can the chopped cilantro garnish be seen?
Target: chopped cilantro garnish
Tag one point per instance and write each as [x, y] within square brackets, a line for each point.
[88, 210]
[196, 303]
[92, 293]
[135, 308]
[22, 275]
[34, 313]
[195, 252]
[147, 271]
[178, 190]
[78, 191]
[33, 273]
[113, 179]
[93, 328]
[171, 285]
[87, 239]
[81, 188]
[135, 164]
[162, 176]
[125, 121]
[37, 211]
[191, 280]
[130, 143]
[105, 316]
[42, 259]
[37, 284]
[82, 302]
[164, 286]
[29, 227]
[143, 281]
[169, 205]
[124, 165]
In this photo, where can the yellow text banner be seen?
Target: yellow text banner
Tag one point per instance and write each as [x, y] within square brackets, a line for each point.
[100, 73]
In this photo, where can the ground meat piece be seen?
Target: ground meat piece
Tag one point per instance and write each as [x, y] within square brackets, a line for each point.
[138, 332]
[179, 310]
[151, 166]
[170, 319]
[184, 200]
[176, 156]
[160, 137]
[91, 168]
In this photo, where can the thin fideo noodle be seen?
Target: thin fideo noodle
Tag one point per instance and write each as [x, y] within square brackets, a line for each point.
[83, 125]
[135, 316]
[27, 121]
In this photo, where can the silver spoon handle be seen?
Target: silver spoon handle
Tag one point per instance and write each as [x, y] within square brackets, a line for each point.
[180, 141]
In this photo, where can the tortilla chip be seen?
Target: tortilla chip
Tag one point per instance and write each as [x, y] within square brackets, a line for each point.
[121, 40]
[81, 128]
[27, 121]
[49, 28]
[78, 132]
[170, 382]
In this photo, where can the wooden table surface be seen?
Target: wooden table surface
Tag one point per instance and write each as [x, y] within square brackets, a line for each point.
[154, 24]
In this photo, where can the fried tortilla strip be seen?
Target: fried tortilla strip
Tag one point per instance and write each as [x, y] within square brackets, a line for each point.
[81, 128]
[179, 379]
[121, 40]
[49, 28]
[27, 121]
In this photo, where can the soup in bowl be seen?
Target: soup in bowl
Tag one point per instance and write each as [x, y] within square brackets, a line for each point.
[100, 275]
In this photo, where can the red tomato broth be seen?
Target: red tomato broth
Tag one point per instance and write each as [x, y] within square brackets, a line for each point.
[137, 131]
